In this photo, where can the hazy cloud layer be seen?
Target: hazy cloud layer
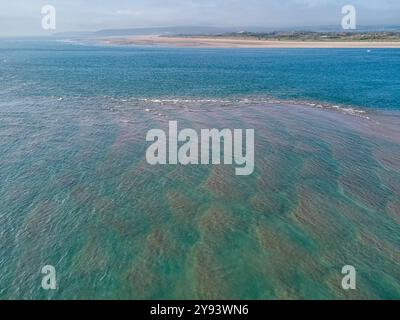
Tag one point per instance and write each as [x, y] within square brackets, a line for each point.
[23, 17]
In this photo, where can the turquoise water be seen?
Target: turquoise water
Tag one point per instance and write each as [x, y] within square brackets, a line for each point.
[77, 193]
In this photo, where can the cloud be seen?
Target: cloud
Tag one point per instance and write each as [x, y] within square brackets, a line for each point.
[23, 16]
[128, 13]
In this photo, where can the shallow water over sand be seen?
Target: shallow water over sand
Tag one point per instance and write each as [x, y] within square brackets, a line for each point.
[77, 193]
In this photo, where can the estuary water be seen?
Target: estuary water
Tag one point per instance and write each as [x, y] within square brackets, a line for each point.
[77, 193]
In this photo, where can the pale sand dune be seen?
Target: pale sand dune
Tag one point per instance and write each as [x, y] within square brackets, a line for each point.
[243, 43]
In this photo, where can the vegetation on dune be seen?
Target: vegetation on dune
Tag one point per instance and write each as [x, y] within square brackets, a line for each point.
[309, 36]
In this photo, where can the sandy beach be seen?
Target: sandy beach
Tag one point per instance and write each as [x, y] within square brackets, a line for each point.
[203, 42]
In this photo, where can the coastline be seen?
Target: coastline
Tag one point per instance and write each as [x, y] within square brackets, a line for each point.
[201, 42]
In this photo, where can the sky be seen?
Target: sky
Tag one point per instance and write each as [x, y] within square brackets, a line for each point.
[23, 17]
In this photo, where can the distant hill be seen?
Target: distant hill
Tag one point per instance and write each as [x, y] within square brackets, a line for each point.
[164, 31]
[196, 30]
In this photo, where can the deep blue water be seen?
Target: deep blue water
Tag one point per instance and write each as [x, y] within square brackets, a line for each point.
[340, 76]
